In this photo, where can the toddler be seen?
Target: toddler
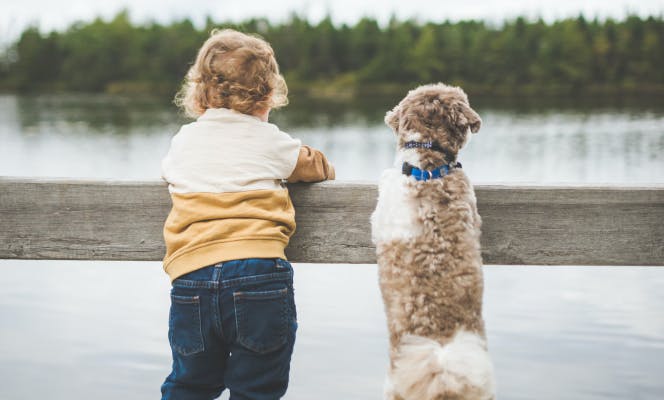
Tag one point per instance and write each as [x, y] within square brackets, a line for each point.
[232, 319]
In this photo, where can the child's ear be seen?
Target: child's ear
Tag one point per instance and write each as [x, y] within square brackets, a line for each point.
[392, 119]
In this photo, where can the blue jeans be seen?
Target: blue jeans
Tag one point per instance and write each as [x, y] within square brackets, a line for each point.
[232, 325]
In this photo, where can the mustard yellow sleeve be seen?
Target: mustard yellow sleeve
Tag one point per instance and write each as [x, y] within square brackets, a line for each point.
[312, 166]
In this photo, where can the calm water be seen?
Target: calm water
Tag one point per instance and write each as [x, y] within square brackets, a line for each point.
[97, 330]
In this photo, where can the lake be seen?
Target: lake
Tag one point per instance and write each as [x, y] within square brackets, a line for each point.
[81, 330]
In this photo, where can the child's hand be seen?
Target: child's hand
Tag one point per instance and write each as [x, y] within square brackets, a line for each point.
[312, 166]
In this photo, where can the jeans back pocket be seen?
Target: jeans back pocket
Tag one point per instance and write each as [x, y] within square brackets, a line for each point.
[262, 319]
[184, 333]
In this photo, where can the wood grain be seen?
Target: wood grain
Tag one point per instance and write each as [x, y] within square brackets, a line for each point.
[111, 220]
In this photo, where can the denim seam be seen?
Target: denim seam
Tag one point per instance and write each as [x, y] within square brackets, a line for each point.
[237, 326]
[216, 276]
[256, 279]
[262, 295]
[185, 299]
[184, 283]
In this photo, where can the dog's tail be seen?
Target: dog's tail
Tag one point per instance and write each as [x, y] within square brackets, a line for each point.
[460, 369]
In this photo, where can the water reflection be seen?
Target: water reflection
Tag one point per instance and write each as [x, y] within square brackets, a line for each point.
[119, 137]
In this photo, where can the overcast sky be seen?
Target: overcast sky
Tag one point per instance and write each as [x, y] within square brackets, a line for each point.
[15, 15]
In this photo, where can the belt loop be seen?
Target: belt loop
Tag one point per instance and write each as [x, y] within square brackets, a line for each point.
[216, 272]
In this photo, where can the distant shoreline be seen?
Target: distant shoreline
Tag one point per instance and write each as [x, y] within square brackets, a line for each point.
[331, 91]
[335, 91]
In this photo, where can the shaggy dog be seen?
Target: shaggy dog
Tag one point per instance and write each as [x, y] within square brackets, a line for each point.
[427, 230]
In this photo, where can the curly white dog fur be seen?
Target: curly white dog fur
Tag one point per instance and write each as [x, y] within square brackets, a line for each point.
[427, 240]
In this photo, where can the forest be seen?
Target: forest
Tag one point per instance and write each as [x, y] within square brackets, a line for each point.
[573, 55]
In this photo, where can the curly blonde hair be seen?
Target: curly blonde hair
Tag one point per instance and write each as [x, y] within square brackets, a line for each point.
[233, 70]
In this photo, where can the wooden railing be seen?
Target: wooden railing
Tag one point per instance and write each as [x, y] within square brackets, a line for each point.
[113, 220]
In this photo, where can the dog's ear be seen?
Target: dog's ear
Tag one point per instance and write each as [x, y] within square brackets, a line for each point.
[463, 117]
[392, 119]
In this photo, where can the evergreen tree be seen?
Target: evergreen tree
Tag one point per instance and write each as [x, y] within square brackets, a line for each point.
[571, 53]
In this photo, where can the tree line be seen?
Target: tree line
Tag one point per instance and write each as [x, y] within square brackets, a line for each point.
[569, 54]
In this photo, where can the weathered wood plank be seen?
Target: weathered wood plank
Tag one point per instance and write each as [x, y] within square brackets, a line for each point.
[98, 220]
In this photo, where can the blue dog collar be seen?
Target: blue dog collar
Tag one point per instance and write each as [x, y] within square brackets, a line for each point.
[425, 174]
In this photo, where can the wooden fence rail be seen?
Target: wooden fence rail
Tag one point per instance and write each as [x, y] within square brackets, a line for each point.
[112, 220]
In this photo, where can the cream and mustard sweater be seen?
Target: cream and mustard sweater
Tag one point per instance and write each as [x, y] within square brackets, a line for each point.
[225, 175]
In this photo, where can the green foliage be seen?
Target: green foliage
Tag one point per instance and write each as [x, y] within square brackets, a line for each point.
[572, 53]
